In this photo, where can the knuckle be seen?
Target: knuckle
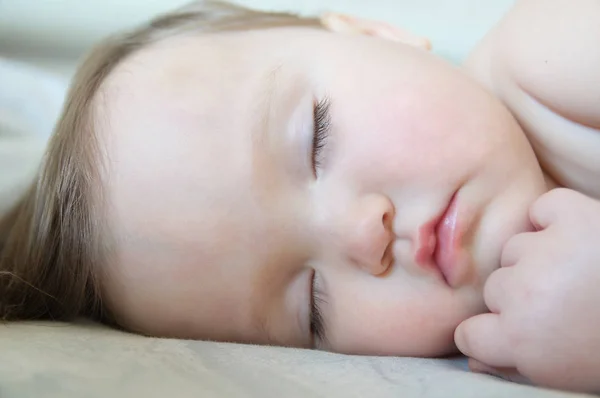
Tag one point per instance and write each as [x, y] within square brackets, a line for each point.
[515, 242]
[550, 199]
[494, 286]
[517, 245]
[558, 196]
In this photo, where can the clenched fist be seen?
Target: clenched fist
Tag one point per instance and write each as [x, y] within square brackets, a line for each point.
[544, 300]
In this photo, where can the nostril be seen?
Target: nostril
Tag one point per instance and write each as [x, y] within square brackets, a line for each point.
[387, 220]
[388, 257]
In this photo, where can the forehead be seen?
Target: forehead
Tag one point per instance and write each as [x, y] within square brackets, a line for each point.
[181, 123]
[168, 124]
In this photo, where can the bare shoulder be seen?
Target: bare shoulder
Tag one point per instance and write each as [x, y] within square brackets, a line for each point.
[543, 61]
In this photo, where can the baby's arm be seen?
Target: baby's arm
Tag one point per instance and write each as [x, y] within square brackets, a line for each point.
[543, 61]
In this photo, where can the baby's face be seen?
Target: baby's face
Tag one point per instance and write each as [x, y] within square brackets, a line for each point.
[230, 214]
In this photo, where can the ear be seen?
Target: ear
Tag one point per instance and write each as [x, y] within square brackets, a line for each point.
[342, 23]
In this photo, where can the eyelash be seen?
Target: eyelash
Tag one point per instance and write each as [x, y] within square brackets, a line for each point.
[322, 124]
[317, 324]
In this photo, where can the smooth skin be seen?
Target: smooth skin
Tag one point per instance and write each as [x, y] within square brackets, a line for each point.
[222, 222]
[543, 61]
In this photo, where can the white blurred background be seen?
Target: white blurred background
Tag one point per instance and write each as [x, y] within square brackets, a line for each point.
[54, 33]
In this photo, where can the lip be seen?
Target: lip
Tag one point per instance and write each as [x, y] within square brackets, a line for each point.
[449, 236]
[439, 242]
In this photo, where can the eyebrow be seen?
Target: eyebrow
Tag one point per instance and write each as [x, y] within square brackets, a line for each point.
[263, 124]
[277, 100]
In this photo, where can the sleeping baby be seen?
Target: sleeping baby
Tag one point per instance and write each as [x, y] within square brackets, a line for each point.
[234, 175]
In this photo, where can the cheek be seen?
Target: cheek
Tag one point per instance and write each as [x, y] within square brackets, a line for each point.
[396, 142]
[394, 319]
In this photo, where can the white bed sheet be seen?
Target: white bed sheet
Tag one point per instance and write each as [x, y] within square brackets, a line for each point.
[86, 360]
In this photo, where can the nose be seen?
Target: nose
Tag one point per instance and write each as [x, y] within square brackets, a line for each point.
[368, 237]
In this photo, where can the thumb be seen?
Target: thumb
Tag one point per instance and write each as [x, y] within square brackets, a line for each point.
[482, 337]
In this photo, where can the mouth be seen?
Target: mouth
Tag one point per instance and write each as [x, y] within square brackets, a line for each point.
[440, 241]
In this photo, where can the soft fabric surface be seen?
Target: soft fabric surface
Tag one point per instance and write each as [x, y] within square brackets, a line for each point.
[87, 360]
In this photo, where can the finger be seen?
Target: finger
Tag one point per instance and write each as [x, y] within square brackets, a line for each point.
[481, 338]
[497, 291]
[510, 374]
[516, 247]
[546, 209]
[343, 23]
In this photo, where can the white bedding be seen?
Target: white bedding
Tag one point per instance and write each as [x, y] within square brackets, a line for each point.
[85, 360]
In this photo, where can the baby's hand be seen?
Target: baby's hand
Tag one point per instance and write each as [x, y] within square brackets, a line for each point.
[544, 300]
[343, 23]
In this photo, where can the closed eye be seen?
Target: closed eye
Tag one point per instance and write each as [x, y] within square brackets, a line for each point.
[317, 324]
[322, 127]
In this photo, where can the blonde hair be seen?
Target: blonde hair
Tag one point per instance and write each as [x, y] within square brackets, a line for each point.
[52, 244]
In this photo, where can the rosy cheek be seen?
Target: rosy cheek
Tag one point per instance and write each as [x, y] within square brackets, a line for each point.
[395, 137]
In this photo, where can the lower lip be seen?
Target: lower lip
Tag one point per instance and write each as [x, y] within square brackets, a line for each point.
[449, 235]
